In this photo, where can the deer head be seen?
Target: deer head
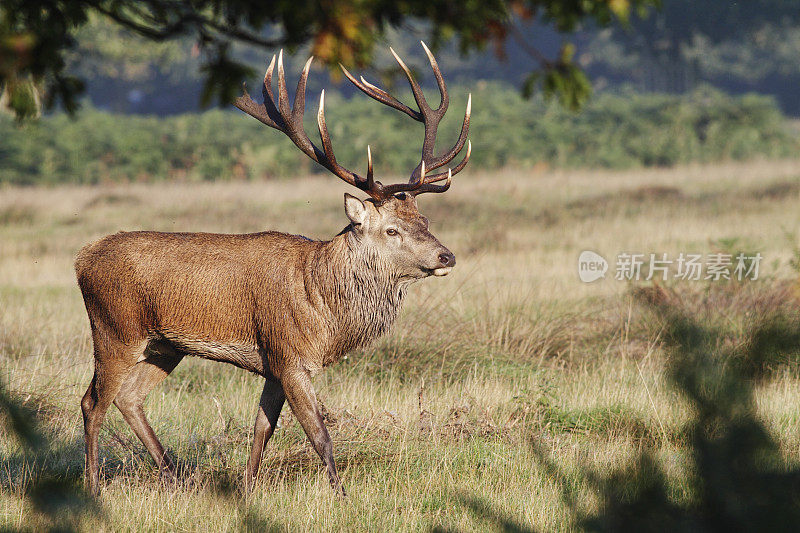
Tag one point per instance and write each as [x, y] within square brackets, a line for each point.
[388, 225]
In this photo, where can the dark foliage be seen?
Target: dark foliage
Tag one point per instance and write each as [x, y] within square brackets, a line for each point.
[36, 35]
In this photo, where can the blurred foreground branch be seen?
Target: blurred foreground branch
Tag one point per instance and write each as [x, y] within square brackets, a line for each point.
[36, 36]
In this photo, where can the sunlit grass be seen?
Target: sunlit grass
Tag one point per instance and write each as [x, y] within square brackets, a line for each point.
[510, 347]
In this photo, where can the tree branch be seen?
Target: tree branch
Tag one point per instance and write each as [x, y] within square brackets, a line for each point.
[530, 50]
[186, 18]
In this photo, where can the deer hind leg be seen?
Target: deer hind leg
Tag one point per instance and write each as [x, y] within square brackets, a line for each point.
[113, 362]
[269, 409]
[144, 376]
[303, 401]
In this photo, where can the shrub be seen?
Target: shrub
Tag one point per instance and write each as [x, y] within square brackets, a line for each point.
[614, 131]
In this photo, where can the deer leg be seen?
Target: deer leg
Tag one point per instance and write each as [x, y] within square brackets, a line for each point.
[303, 401]
[143, 377]
[113, 361]
[269, 409]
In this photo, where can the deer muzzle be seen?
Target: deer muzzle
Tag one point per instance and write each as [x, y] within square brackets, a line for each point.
[447, 260]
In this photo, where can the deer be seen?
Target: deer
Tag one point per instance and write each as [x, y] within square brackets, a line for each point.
[280, 306]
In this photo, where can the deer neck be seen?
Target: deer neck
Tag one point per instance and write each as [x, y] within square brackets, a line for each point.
[363, 293]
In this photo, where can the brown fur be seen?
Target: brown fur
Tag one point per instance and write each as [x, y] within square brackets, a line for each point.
[281, 306]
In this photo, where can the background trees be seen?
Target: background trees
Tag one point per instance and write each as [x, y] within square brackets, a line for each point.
[168, 56]
[37, 36]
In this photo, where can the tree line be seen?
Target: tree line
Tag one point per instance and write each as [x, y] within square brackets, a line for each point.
[613, 131]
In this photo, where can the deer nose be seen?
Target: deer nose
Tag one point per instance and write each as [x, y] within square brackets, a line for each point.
[447, 259]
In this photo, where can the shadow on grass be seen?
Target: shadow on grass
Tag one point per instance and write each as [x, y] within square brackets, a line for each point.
[57, 499]
[227, 487]
[488, 517]
[737, 478]
[45, 474]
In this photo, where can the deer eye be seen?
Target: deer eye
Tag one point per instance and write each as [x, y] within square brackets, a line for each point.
[391, 232]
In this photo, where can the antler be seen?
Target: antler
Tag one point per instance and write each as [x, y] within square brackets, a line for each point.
[290, 122]
[430, 118]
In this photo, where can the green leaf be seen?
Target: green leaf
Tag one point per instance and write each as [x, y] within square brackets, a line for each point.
[21, 99]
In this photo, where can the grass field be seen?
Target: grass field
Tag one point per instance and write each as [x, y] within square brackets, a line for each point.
[510, 349]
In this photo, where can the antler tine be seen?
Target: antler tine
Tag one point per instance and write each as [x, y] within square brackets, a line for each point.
[283, 94]
[427, 183]
[370, 176]
[462, 138]
[261, 112]
[410, 187]
[299, 107]
[431, 187]
[415, 88]
[439, 80]
[380, 95]
[268, 97]
[323, 131]
[455, 170]
[367, 185]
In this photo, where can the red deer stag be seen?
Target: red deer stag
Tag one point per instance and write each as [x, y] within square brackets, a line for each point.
[281, 306]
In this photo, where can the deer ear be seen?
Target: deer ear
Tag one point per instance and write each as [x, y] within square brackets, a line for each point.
[355, 209]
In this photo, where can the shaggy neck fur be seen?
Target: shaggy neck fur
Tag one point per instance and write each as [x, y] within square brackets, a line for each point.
[362, 291]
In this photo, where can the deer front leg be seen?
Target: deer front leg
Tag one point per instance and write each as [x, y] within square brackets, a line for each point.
[269, 409]
[303, 401]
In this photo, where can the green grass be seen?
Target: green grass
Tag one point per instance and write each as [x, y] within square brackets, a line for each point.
[509, 351]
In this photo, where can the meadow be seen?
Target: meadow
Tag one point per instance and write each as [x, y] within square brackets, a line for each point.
[508, 354]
